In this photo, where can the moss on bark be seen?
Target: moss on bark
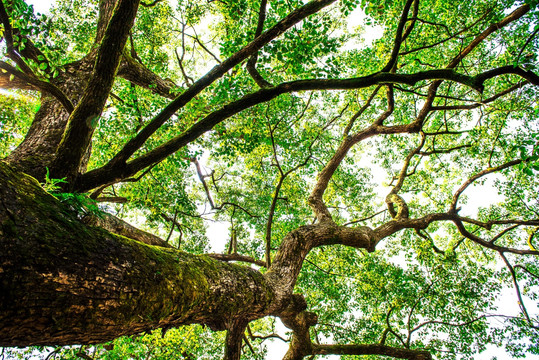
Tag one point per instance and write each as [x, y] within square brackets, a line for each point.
[63, 282]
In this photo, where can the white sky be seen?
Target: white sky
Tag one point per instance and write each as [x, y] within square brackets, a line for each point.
[40, 6]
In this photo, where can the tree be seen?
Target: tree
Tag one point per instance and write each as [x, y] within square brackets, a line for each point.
[342, 167]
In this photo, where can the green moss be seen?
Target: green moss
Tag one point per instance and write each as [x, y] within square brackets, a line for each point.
[90, 277]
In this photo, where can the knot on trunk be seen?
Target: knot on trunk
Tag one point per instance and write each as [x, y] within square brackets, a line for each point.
[402, 211]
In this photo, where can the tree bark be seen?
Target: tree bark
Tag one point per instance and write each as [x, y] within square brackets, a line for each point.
[63, 282]
[37, 151]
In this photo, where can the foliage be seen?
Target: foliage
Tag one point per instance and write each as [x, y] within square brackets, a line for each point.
[81, 204]
[15, 120]
[52, 185]
[432, 288]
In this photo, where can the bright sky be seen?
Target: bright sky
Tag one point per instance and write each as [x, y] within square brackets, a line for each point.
[40, 6]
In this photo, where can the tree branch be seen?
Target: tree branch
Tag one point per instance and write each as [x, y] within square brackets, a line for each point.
[447, 38]
[251, 63]
[392, 197]
[197, 40]
[136, 287]
[203, 181]
[10, 81]
[360, 112]
[39, 85]
[515, 15]
[238, 257]
[316, 198]
[115, 170]
[398, 353]
[483, 102]
[219, 70]
[489, 244]
[234, 338]
[517, 289]
[468, 182]
[398, 37]
[295, 318]
[84, 118]
[10, 44]
[282, 176]
[133, 71]
[118, 226]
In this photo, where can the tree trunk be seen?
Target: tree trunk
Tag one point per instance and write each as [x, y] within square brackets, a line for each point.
[63, 282]
[37, 151]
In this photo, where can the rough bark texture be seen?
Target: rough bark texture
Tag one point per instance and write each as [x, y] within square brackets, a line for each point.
[67, 280]
[120, 227]
[8, 82]
[37, 150]
[84, 119]
[63, 282]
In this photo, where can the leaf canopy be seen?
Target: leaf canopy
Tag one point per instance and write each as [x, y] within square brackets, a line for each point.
[474, 157]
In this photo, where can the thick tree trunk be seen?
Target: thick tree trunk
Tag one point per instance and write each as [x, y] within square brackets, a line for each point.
[37, 151]
[63, 282]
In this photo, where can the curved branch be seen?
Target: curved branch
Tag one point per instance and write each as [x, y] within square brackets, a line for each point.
[389, 328]
[423, 324]
[219, 70]
[116, 170]
[374, 349]
[505, 231]
[506, 70]
[295, 246]
[477, 176]
[251, 63]
[236, 206]
[489, 244]
[39, 85]
[316, 200]
[140, 75]
[152, 4]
